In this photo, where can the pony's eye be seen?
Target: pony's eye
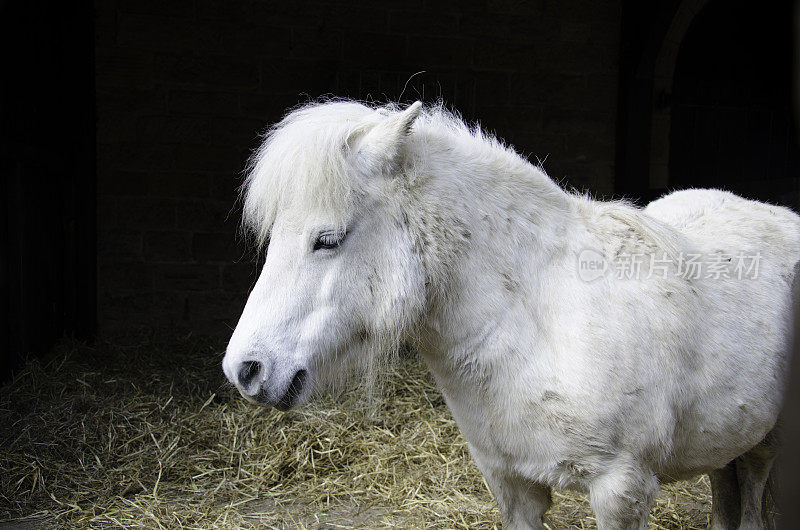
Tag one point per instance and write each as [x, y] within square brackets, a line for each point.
[329, 240]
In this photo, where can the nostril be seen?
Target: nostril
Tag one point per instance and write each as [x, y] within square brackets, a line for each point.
[294, 390]
[248, 372]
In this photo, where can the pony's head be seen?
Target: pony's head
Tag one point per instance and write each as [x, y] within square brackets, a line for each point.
[326, 196]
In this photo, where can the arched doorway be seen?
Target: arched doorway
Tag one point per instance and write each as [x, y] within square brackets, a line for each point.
[731, 124]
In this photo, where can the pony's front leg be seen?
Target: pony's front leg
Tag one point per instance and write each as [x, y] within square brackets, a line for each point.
[752, 469]
[622, 496]
[522, 502]
[725, 498]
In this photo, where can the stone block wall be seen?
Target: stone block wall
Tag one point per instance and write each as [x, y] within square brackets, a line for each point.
[184, 87]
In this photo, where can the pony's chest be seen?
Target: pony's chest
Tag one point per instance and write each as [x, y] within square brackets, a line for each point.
[523, 428]
[532, 443]
[519, 411]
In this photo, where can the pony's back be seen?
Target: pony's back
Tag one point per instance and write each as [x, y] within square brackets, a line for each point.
[719, 220]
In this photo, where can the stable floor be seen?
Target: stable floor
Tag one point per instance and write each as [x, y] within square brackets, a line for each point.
[151, 435]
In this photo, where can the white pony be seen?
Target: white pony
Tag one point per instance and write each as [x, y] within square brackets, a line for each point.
[579, 344]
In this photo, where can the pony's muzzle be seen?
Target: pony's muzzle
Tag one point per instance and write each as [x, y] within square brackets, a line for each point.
[269, 387]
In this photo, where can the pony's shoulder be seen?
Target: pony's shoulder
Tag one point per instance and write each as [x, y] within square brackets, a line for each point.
[628, 228]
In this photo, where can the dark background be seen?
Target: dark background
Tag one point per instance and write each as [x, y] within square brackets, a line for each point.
[126, 125]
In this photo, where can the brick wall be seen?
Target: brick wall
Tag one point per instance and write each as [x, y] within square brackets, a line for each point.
[183, 88]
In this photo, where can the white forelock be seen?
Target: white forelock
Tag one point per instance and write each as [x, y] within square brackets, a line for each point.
[301, 167]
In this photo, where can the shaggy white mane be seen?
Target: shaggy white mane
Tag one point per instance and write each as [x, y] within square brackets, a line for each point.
[301, 169]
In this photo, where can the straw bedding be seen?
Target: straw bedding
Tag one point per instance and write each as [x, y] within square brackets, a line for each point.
[151, 436]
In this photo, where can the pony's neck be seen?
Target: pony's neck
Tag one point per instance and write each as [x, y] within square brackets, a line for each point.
[487, 221]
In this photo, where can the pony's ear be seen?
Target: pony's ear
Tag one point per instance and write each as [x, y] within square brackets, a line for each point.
[381, 148]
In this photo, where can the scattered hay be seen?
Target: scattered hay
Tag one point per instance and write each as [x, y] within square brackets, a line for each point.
[152, 437]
